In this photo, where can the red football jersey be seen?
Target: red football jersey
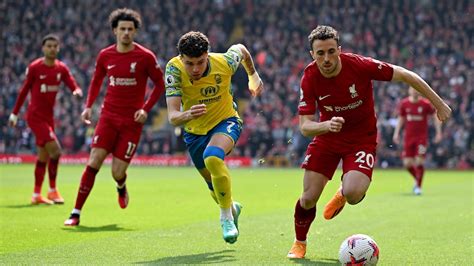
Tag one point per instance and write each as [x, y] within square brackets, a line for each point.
[127, 81]
[348, 95]
[416, 115]
[43, 82]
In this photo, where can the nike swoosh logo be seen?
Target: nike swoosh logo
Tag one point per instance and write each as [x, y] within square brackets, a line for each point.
[324, 97]
[110, 66]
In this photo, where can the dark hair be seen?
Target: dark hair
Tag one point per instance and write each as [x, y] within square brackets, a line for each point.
[323, 32]
[49, 37]
[126, 14]
[193, 44]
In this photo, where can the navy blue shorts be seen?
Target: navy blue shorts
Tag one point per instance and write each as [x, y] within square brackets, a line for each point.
[196, 144]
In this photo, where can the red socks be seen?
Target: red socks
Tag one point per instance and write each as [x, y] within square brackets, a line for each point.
[420, 171]
[303, 220]
[87, 182]
[40, 170]
[52, 172]
[412, 171]
[417, 172]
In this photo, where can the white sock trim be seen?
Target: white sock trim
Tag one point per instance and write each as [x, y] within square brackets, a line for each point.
[226, 214]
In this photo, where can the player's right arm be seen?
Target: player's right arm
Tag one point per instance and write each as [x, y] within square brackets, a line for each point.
[174, 93]
[310, 128]
[178, 117]
[27, 85]
[94, 88]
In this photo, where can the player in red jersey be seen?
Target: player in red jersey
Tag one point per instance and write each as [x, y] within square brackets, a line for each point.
[339, 87]
[127, 65]
[414, 112]
[43, 77]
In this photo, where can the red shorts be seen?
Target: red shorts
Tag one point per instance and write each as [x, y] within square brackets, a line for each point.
[43, 130]
[117, 137]
[414, 148]
[323, 158]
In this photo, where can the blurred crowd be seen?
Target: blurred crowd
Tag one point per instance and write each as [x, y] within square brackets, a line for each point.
[434, 38]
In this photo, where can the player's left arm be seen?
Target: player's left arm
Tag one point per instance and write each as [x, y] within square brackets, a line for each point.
[156, 75]
[437, 126]
[68, 78]
[255, 82]
[415, 81]
[398, 127]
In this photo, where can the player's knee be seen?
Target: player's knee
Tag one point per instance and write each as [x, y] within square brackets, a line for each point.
[213, 157]
[55, 154]
[307, 202]
[354, 195]
[354, 198]
[118, 174]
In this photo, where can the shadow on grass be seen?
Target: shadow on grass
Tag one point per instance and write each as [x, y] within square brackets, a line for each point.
[91, 229]
[203, 258]
[320, 262]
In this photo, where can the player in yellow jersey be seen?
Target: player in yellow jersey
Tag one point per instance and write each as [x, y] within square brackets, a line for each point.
[199, 97]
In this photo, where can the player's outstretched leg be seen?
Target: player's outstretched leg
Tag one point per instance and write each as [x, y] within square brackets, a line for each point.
[236, 210]
[335, 205]
[123, 197]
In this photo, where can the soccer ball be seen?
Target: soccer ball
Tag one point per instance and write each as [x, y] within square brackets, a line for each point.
[359, 250]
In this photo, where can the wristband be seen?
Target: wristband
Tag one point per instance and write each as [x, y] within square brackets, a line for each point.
[254, 81]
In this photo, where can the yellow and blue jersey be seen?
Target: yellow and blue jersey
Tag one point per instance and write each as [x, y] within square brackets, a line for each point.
[214, 89]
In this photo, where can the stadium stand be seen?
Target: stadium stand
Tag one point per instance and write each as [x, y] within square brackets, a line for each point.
[433, 38]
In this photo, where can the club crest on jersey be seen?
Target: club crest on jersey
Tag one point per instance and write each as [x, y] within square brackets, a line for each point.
[218, 78]
[111, 81]
[352, 91]
[58, 76]
[133, 67]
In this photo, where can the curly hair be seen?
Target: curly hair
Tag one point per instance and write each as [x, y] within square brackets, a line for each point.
[323, 32]
[126, 14]
[193, 44]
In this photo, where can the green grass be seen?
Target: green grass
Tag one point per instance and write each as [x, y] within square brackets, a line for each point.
[171, 219]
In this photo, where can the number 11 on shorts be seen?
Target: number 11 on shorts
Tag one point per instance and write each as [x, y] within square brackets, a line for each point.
[130, 149]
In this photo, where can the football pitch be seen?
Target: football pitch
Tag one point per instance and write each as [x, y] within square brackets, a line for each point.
[171, 219]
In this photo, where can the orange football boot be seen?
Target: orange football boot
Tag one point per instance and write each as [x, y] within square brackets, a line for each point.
[297, 251]
[55, 197]
[334, 206]
[35, 200]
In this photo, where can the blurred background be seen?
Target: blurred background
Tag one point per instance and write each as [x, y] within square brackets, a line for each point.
[433, 38]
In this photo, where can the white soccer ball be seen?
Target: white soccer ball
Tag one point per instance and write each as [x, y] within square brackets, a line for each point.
[359, 250]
